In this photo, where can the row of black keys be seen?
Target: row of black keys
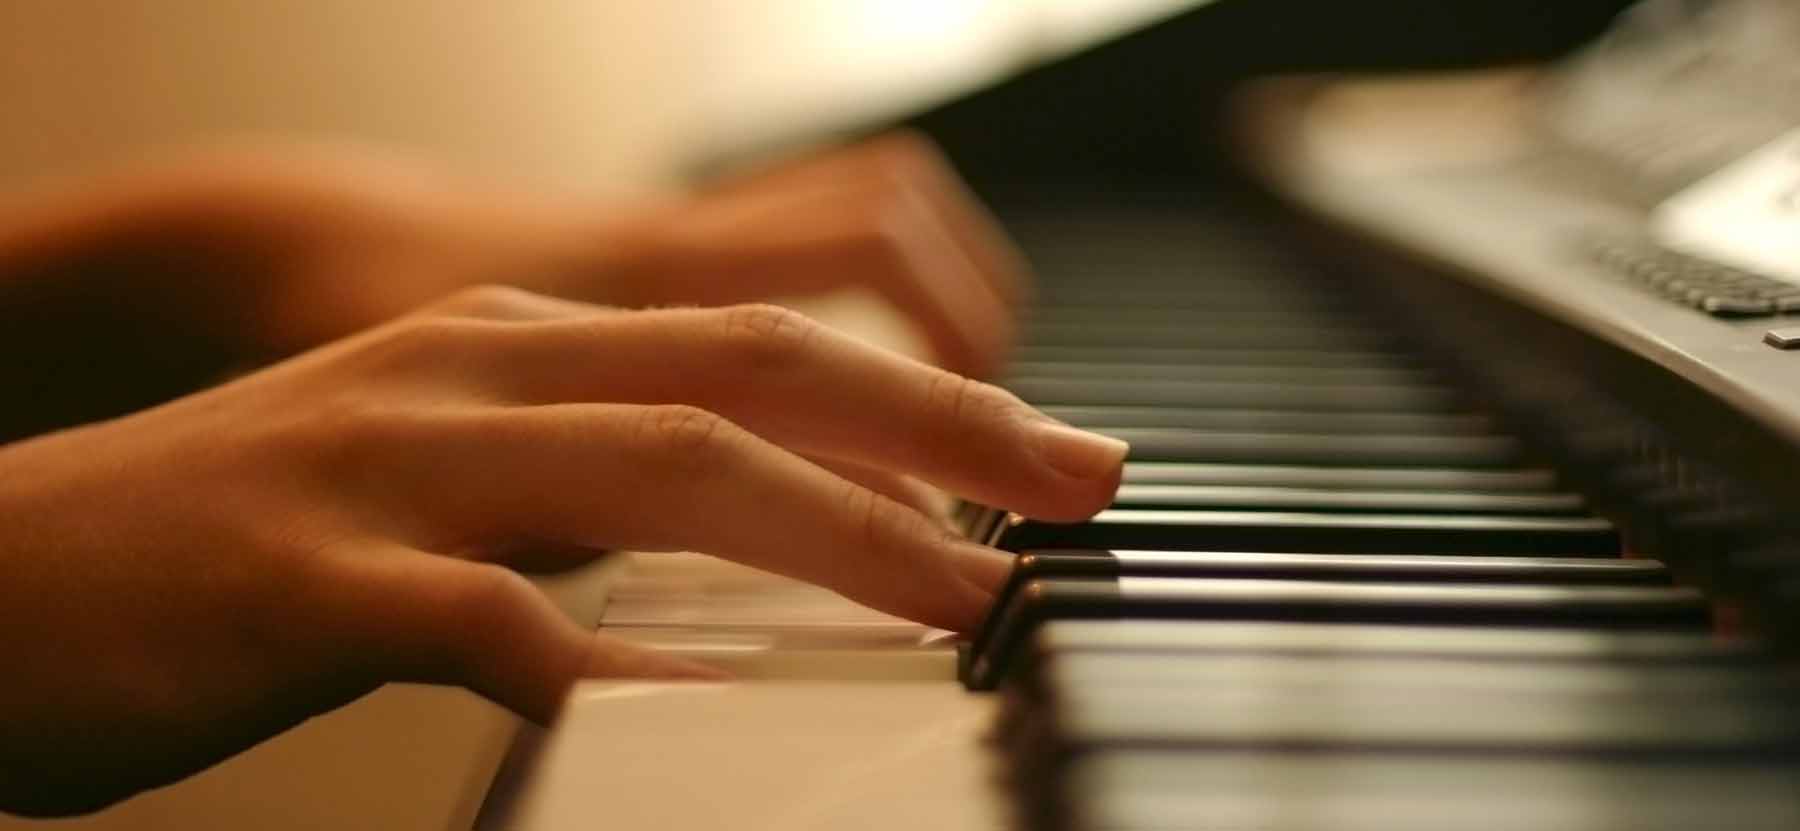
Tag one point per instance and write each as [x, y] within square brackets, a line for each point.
[1266, 416]
[1331, 594]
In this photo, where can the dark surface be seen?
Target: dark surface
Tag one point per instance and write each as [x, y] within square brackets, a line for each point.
[1200, 530]
[1037, 601]
[1152, 106]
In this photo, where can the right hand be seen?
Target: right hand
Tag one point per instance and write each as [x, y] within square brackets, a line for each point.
[183, 582]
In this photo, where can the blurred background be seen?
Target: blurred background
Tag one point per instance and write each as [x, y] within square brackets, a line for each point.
[608, 97]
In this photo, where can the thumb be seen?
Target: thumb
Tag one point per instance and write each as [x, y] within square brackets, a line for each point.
[484, 627]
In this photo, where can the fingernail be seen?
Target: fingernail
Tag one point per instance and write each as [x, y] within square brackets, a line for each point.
[1078, 453]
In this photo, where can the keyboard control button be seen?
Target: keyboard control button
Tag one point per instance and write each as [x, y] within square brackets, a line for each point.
[1722, 306]
[1788, 338]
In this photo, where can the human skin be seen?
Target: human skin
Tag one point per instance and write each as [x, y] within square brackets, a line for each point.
[184, 580]
[165, 274]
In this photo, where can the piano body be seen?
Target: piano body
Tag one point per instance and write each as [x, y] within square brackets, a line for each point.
[1462, 492]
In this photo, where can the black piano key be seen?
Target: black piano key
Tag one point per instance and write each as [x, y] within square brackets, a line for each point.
[1162, 790]
[1497, 644]
[1239, 395]
[1175, 445]
[1366, 568]
[1275, 421]
[1374, 358]
[1375, 568]
[1240, 336]
[1229, 373]
[1067, 598]
[1339, 478]
[1069, 284]
[1316, 533]
[1260, 498]
[1237, 310]
[1194, 297]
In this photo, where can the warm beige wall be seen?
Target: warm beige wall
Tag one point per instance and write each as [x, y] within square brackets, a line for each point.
[604, 95]
[550, 90]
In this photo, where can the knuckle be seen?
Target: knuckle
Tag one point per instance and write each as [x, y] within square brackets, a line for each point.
[946, 396]
[689, 437]
[767, 334]
[430, 337]
[873, 525]
[490, 591]
[362, 445]
[957, 399]
[486, 601]
[483, 300]
[884, 529]
[464, 353]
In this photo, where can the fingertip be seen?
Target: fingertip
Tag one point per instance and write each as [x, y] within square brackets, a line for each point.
[974, 611]
[1079, 454]
[682, 669]
[611, 657]
[961, 602]
[1084, 469]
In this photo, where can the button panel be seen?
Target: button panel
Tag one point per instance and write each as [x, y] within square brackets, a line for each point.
[1714, 288]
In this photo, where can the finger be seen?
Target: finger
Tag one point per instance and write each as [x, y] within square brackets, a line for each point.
[915, 159]
[909, 160]
[679, 478]
[507, 303]
[901, 488]
[422, 617]
[937, 255]
[805, 241]
[820, 392]
[920, 197]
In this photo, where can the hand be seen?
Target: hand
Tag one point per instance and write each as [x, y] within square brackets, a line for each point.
[888, 214]
[170, 276]
[183, 582]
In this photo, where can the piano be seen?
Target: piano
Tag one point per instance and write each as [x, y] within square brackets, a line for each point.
[1462, 492]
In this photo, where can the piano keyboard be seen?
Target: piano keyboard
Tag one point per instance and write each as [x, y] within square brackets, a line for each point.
[1333, 591]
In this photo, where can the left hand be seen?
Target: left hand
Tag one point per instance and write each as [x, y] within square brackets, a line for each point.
[889, 215]
[273, 253]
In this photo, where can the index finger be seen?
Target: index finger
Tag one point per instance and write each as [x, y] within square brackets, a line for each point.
[910, 161]
[818, 391]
